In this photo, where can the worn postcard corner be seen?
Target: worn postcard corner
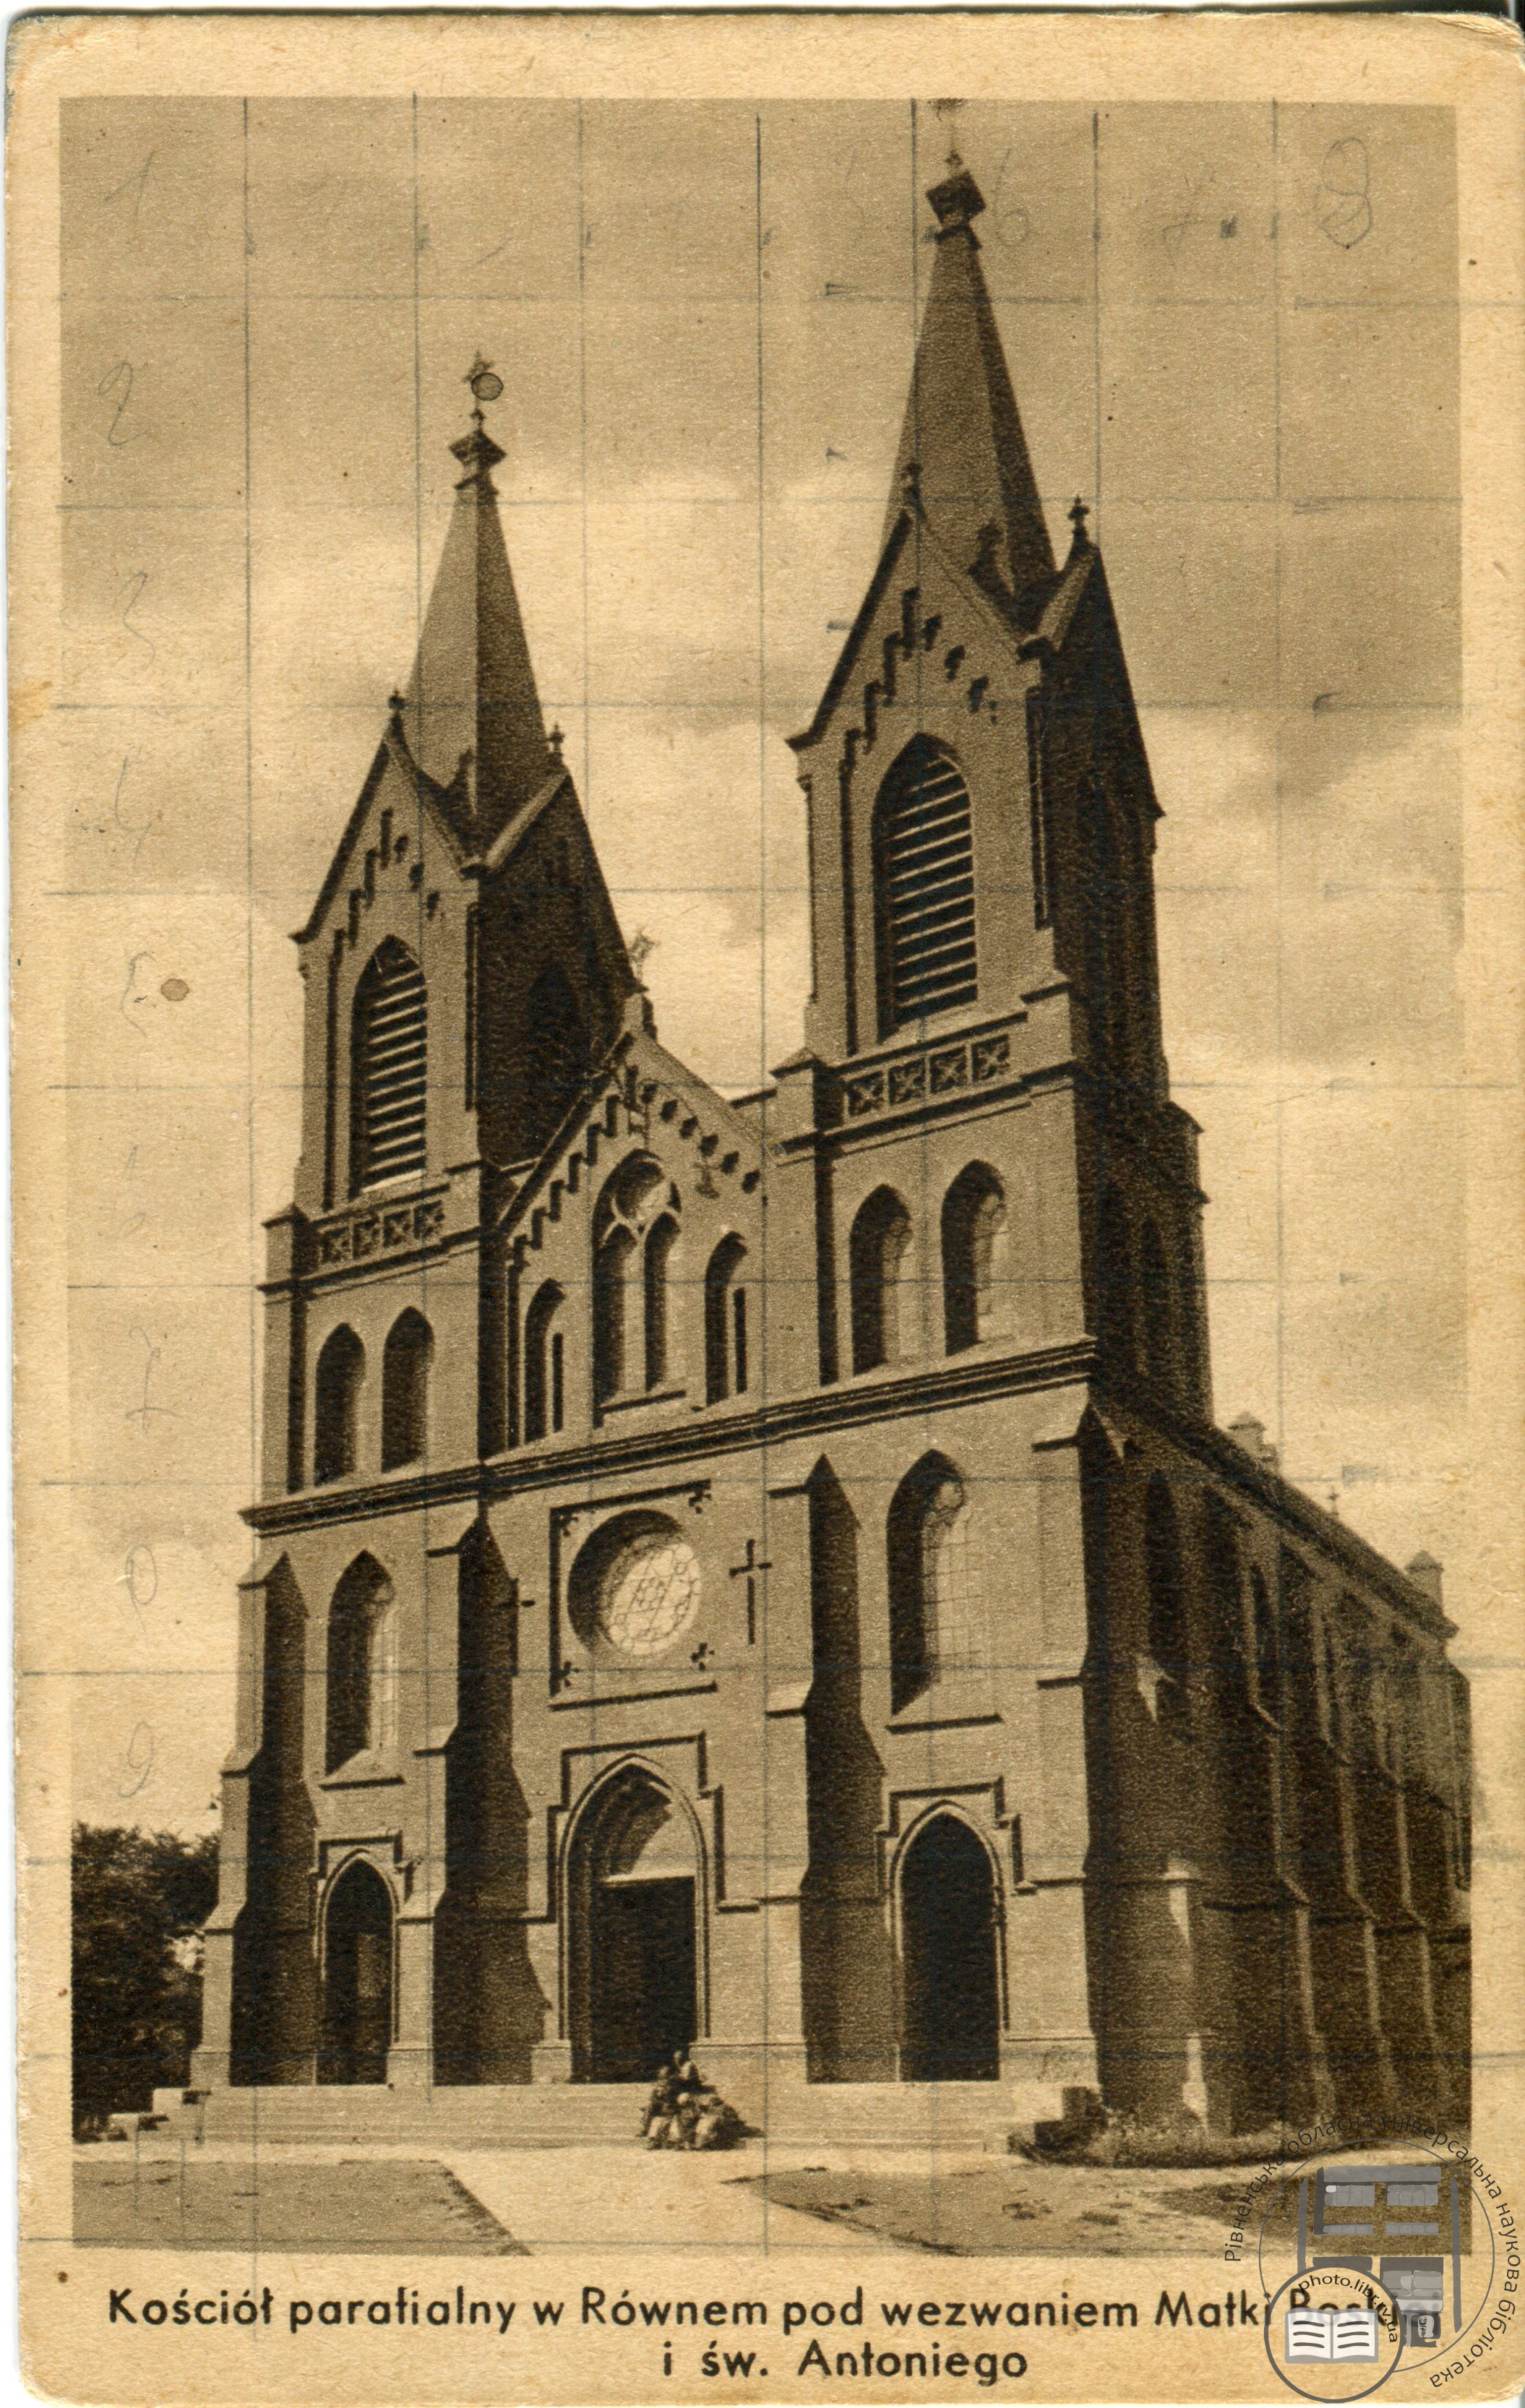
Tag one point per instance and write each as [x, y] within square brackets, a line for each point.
[768, 871]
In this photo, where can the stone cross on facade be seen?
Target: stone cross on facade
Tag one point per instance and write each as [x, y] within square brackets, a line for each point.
[748, 1569]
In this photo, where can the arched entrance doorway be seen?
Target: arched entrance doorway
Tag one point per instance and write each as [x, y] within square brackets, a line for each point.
[357, 1978]
[952, 2005]
[633, 1884]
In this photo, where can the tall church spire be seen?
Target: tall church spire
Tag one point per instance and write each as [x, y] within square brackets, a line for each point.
[471, 715]
[962, 446]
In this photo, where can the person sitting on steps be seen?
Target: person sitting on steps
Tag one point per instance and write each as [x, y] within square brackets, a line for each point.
[683, 2112]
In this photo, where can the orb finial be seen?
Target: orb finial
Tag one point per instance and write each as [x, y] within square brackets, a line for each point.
[485, 386]
[476, 451]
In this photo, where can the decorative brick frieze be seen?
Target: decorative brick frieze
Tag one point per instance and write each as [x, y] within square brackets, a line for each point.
[941, 1072]
[366, 1231]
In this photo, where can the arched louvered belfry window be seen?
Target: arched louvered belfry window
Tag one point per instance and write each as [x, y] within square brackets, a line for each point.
[389, 1069]
[924, 887]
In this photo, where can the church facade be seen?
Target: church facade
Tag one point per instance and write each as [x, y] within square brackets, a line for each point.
[762, 1574]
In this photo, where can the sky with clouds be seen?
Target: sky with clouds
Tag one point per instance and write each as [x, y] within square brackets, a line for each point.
[1232, 330]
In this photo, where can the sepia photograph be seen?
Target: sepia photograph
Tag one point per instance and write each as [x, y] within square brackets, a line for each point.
[767, 1100]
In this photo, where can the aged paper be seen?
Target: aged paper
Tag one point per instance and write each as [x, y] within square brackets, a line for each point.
[770, 1521]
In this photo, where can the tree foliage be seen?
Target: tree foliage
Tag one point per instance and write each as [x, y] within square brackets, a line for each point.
[139, 1900]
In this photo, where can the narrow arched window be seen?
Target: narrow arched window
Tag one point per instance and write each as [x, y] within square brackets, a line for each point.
[1114, 1280]
[1230, 1667]
[544, 1370]
[1267, 1646]
[611, 1267]
[1112, 882]
[660, 1239]
[924, 887]
[936, 1624]
[1383, 1688]
[726, 1366]
[876, 1249]
[556, 1055]
[632, 1198]
[389, 1069]
[1329, 1681]
[342, 1371]
[362, 1664]
[1165, 1575]
[973, 1242]
[1156, 1323]
[1185, 1306]
[405, 1390]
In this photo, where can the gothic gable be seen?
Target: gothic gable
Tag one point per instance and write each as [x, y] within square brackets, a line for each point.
[630, 1252]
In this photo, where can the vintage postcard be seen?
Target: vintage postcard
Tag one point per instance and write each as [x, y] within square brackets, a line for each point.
[768, 863]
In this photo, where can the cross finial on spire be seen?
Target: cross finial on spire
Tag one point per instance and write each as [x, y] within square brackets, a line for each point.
[556, 738]
[1077, 514]
[948, 110]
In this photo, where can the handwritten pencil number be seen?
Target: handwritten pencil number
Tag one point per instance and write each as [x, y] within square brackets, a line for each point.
[132, 190]
[1344, 193]
[117, 387]
[1010, 219]
[139, 1761]
[141, 1574]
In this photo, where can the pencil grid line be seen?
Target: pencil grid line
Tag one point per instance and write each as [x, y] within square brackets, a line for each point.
[1284, 1776]
[255, 1433]
[427, 1266]
[762, 1072]
[913, 238]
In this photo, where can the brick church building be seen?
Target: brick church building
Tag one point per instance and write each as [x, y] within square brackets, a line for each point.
[761, 1573]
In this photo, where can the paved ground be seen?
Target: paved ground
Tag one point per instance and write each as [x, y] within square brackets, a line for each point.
[475, 2201]
[763, 2197]
[168, 2201]
[755, 2198]
[1002, 2206]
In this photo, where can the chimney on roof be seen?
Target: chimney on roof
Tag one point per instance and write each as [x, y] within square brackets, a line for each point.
[1425, 1573]
[1251, 1435]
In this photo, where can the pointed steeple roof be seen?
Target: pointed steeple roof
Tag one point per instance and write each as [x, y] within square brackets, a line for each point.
[962, 451]
[470, 715]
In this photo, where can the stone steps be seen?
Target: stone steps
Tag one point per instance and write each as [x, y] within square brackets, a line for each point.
[932, 2114]
[461, 2117]
[904, 2114]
